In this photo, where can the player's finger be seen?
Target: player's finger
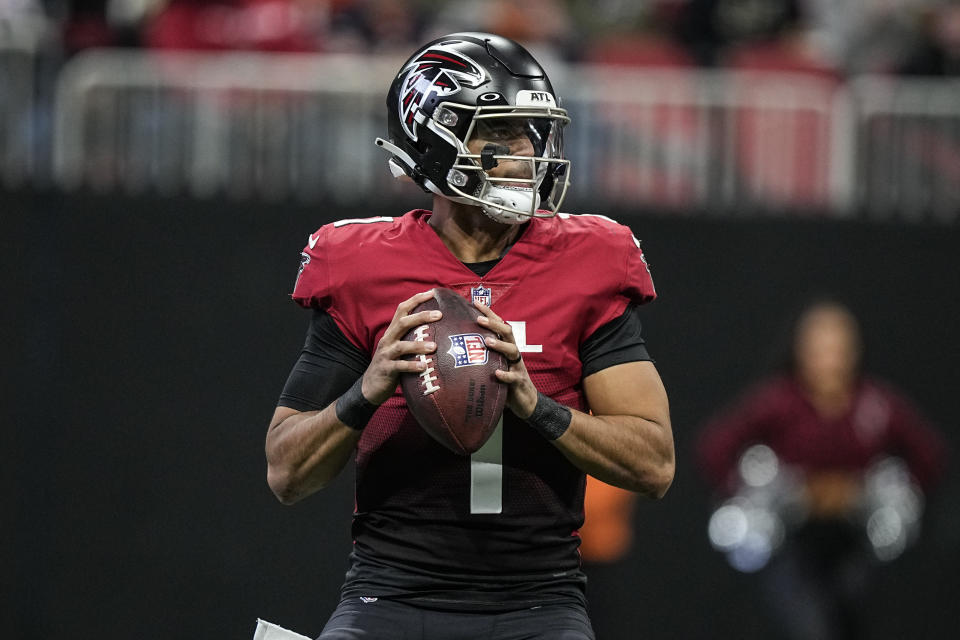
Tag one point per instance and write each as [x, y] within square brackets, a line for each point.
[509, 349]
[411, 303]
[487, 311]
[407, 323]
[501, 328]
[408, 305]
[418, 318]
[489, 316]
[400, 326]
[509, 377]
[408, 366]
[403, 348]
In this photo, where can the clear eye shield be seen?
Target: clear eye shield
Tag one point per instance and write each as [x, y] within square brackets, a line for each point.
[526, 142]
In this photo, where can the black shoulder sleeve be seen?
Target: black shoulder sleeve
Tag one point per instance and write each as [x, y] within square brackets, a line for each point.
[614, 343]
[327, 366]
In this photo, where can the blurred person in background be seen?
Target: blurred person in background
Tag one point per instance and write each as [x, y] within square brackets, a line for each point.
[828, 464]
[711, 28]
[848, 36]
[865, 36]
[31, 21]
[938, 53]
[17, 11]
[642, 34]
[544, 27]
[85, 26]
[376, 26]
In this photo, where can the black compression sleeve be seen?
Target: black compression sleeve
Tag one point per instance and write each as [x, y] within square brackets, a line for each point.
[550, 418]
[614, 343]
[328, 365]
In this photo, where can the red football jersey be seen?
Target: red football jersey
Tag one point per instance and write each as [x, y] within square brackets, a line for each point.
[504, 520]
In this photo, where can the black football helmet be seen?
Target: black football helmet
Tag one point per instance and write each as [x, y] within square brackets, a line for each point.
[481, 85]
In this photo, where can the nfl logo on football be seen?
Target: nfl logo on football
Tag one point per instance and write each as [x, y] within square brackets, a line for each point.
[467, 349]
[481, 295]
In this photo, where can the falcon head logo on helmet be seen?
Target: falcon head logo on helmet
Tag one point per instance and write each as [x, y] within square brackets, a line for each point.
[438, 71]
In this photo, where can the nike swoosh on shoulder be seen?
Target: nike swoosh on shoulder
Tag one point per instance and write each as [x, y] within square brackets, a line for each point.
[313, 240]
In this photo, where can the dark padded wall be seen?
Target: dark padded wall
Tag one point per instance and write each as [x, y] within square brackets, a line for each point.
[146, 341]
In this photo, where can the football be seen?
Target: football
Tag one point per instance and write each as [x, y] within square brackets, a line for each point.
[457, 399]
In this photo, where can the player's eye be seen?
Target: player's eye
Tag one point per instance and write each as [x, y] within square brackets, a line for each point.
[502, 129]
[506, 130]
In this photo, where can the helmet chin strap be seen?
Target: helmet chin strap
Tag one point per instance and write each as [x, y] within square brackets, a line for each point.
[522, 198]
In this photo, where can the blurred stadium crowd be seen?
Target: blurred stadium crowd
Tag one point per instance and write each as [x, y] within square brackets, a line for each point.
[820, 106]
[839, 37]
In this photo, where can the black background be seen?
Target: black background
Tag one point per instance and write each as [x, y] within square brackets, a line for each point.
[146, 341]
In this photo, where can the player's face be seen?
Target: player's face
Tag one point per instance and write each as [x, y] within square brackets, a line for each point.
[522, 136]
[827, 349]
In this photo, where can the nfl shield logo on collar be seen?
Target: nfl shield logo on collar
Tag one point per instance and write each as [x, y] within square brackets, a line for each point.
[467, 350]
[482, 295]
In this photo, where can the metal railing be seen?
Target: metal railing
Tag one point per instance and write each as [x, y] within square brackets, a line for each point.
[302, 126]
[244, 124]
[727, 140]
[908, 148]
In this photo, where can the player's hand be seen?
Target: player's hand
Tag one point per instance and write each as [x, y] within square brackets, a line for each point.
[383, 374]
[522, 397]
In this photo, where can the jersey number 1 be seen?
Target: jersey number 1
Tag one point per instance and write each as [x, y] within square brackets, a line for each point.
[486, 474]
[486, 464]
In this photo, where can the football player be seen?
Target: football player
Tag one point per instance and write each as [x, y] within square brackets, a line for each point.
[449, 546]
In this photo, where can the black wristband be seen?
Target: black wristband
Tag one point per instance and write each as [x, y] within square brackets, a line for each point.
[549, 418]
[353, 409]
